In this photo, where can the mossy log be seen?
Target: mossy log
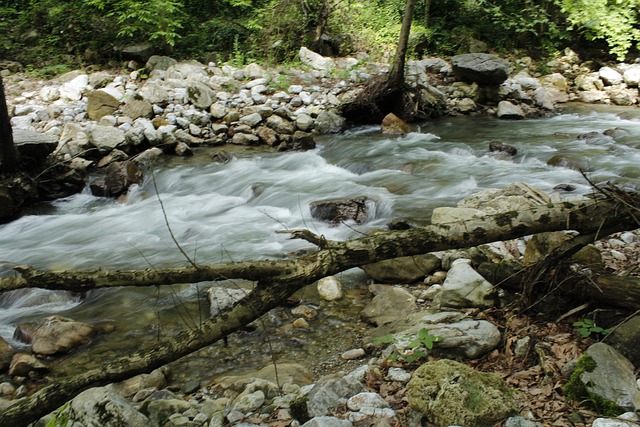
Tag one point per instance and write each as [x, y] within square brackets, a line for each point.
[279, 279]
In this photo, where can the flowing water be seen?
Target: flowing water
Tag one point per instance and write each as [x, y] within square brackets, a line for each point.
[231, 212]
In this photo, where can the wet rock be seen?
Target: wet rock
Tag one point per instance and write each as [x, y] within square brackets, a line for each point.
[157, 379]
[6, 353]
[117, 179]
[404, 269]
[330, 288]
[329, 122]
[497, 146]
[482, 68]
[222, 297]
[100, 104]
[22, 364]
[59, 335]
[508, 110]
[341, 210]
[388, 305]
[569, 162]
[514, 196]
[464, 287]
[394, 125]
[451, 393]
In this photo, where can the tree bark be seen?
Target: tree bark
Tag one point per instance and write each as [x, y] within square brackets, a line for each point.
[279, 279]
[396, 75]
[8, 158]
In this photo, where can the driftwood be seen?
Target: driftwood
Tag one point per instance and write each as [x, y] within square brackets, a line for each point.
[278, 279]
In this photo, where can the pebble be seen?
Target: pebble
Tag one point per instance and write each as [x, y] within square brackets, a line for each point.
[300, 323]
[398, 374]
[618, 255]
[353, 354]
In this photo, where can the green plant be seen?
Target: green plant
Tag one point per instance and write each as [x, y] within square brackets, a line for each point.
[419, 347]
[48, 71]
[60, 417]
[587, 327]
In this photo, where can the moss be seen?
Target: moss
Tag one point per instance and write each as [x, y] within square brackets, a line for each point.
[504, 219]
[577, 390]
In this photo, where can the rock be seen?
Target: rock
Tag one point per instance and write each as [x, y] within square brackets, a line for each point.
[625, 338]
[288, 373]
[612, 422]
[631, 75]
[248, 402]
[341, 210]
[497, 146]
[329, 288]
[157, 62]
[366, 400]
[218, 111]
[390, 304]
[329, 122]
[610, 76]
[6, 350]
[305, 311]
[106, 138]
[136, 108]
[114, 156]
[507, 110]
[607, 377]
[482, 68]
[100, 104]
[117, 179]
[300, 323]
[542, 244]
[464, 287]
[148, 156]
[155, 93]
[280, 125]
[592, 96]
[200, 95]
[327, 421]
[22, 364]
[224, 296]
[404, 269]
[304, 122]
[356, 353]
[159, 411]
[268, 135]
[59, 335]
[73, 89]
[394, 125]
[326, 396]
[315, 60]
[184, 69]
[34, 145]
[516, 196]
[139, 52]
[251, 120]
[623, 96]
[450, 393]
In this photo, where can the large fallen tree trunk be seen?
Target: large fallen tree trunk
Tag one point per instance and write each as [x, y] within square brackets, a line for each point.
[279, 279]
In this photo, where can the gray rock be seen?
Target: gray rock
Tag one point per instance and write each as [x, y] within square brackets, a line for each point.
[612, 422]
[625, 339]
[304, 122]
[157, 62]
[248, 402]
[106, 138]
[160, 410]
[73, 89]
[200, 95]
[329, 122]
[139, 51]
[280, 125]
[339, 210]
[450, 393]
[508, 110]
[155, 93]
[464, 287]
[222, 297]
[482, 68]
[218, 111]
[403, 269]
[327, 421]
[366, 400]
[631, 75]
[398, 374]
[610, 76]
[315, 60]
[103, 407]
[33, 145]
[613, 377]
[329, 288]
[22, 364]
[326, 396]
[252, 120]
[519, 421]
[183, 69]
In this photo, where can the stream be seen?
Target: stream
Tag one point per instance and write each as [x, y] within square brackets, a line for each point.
[231, 212]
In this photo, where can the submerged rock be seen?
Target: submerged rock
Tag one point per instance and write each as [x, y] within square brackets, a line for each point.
[59, 335]
[340, 210]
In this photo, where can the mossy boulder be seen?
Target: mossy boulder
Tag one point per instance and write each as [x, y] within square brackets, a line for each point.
[451, 393]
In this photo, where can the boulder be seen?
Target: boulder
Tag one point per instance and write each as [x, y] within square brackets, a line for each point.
[340, 210]
[106, 138]
[607, 378]
[140, 52]
[60, 335]
[508, 110]
[117, 178]
[329, 122]
[6, 350]
[154, 92]
[100, 104]
[404, 269]
[280, 124]
[625, 338]
[394, 125]
[450, 393]
[136, 108]
[497, 146]
[157, 62]
[326, 396]
[104, 407]
[516, 196]
[34, 145]
[610, 76]
[631, 75]
[73, 90]
[482, 68]
[315, 60]
[464, 287]
[223, 296]
[200, 95]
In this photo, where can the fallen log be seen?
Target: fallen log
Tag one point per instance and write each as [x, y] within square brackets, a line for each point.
[279, 279]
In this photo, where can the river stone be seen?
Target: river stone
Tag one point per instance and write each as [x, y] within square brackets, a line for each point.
[325, 396]
[157, 62]
[388, 305]
[34, 145]
[280, 125]
[327, 421]
[609, 76]
[268, 135]
[330, 288]
[6, 350]
[248, 402]
[592, 96]
[508, 110]
[160, 410]
[100, 104]
[613, 377]
[22, 364]
[223, 296]
[104, 407]
[540, 245]
[59, 335]
[631, 75]
[450, 393]
[136, 108]
[183, 69]
[73, 89]
[218, 111]
[200, 95]
[448, 214]
[118, 177]
[304, 122]
[498, 146]
[329, 122]
[106, 138]
[251, 120]
[155, 93]
[625, 338]
[622, 96]
[404, 269]
[482, 68]
[464, 287]
[315, 60]
[613, 422]
[515, 196]
[157, 379]
[341, 210]
[287, 373]
[394, 125]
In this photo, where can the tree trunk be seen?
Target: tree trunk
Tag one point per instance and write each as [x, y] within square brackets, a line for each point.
[396, 75]
[279, 279]
[8, 158]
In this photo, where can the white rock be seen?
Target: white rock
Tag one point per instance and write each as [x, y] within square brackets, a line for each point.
[315, 60]
[366, 400]
[464, 287]
[353, 354]
[610, 76]
[397, 374]
[73, 90]
[330, 288]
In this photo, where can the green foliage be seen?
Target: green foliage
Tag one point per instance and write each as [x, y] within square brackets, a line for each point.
[616, 22]
[587, 327]
[60, 417]
[420, 346]
[48, 71]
